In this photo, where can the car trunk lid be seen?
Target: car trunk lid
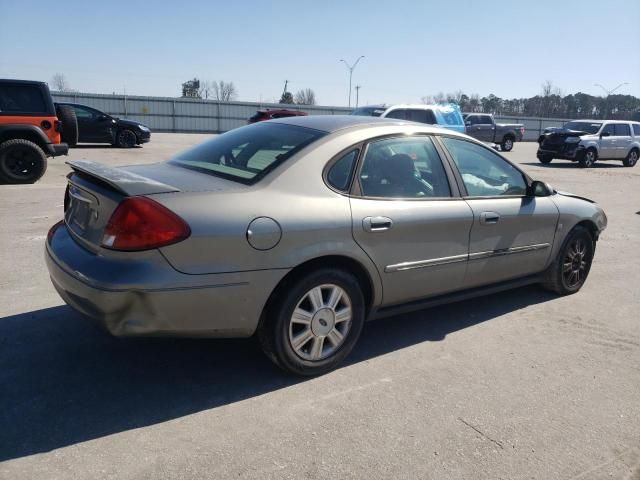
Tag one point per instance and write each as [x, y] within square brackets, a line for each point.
[95, 190]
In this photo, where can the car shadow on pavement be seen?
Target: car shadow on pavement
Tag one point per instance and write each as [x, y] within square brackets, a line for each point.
[569, 164]
[99, 145]
[64, 381]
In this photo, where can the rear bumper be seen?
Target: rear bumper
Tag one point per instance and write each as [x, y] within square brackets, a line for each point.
[56, 149]
[144, 295]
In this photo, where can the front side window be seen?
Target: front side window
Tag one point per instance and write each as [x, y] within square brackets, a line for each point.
[248, 153]
[406, 167]
[609, 129]
[472, 120]
[339, 176]
[484, 119]
[622, 130]
[484, 173]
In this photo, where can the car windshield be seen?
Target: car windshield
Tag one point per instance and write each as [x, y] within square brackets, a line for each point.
[248, 153]
[588, 127]
[369, 111]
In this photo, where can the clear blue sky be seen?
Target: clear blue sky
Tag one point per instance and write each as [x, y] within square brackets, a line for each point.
[413, 48]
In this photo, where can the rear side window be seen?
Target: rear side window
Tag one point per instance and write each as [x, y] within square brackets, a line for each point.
[405, 167]
[622, 130]
[422, 116]
[399, 114]
[249, 153]
[340, 174]
[636, 129]
[22, 98]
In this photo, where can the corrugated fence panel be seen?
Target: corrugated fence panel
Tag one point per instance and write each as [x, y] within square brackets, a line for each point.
[166, 114]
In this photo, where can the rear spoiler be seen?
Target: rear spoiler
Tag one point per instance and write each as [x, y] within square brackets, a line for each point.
[125, 182]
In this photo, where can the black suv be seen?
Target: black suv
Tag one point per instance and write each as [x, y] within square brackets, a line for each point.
[95, 126]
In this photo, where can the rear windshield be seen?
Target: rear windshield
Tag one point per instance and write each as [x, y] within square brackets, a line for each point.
[369, 111]
[248, 153]
[587, 127]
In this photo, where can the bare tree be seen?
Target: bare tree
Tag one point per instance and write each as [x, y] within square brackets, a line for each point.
[206, 89]
[306, 97]
[224, 91]
[60, 83]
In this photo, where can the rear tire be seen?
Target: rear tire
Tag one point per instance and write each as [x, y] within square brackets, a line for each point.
[631, 159]
[21, 161]
[67, 115]
[588, 158]
[569, 270]
[546, 159]
[507, 143]
[302, 332]
[126, 139]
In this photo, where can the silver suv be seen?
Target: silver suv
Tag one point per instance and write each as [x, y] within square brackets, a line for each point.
[585, 141]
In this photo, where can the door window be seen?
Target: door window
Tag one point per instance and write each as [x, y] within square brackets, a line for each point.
[622, 130]
[339, 176]
[484, 120]
[407, 167]
[473, 119]
[399, 114]
[636, 129]
[484, 173]
[83, 113]
[422, 116]
[609, 129]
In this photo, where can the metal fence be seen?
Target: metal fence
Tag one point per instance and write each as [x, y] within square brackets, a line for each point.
[187, 115]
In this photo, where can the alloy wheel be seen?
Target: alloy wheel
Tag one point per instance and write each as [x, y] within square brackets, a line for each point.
[19, 163]
[574, 265]
[320, 322]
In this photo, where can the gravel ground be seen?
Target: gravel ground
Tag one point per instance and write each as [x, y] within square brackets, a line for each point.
[515, 385]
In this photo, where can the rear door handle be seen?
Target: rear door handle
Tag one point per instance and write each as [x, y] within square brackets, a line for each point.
[489, 218]
[376, 224]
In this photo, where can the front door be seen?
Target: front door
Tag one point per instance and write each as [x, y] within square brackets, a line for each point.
[407, 220]
[93, 126]
[512, 234]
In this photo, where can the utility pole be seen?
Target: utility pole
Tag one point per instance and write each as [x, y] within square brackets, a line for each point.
[351, 69]
[608, 92]
[358, 87]
[286, 82]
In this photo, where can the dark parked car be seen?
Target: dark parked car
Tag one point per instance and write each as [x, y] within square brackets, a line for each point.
[262, 115]
[97, 127]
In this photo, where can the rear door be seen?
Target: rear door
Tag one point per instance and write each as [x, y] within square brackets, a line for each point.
[608, 143]
[512, 233]
[623, 139]
[409, 218]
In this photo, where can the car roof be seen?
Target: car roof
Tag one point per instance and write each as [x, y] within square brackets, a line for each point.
[24, 82]
[599, 120]
[334, 123]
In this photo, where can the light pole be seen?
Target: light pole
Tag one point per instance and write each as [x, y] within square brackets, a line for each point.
[608, 92]
[351, 69]
[358, 87]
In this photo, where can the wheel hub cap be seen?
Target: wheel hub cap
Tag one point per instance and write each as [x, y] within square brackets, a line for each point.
[320, 322]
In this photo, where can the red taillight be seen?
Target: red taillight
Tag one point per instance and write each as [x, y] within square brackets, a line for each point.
[140, 223]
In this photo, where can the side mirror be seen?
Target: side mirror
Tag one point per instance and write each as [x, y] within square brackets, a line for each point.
[467, 123]
[540, 189]
[605, 134]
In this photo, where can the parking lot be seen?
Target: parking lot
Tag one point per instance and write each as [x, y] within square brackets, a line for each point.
[521, 384]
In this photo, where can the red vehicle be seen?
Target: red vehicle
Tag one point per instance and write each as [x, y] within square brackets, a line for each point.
[268, 114]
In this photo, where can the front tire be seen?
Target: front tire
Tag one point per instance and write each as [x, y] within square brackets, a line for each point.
[631, 159]
[313, 322]
[588, 158]
[569, 270]
[21, 161]
[126, 139]
[507, 144]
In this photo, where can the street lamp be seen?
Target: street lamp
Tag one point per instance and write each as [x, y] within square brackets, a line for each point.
[608, 92]
[351, 69]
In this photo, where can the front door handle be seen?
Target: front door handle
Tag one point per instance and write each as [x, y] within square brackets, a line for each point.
[489, 218]
[376, 224]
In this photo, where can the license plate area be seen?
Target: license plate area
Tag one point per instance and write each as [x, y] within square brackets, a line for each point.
[82, 206]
